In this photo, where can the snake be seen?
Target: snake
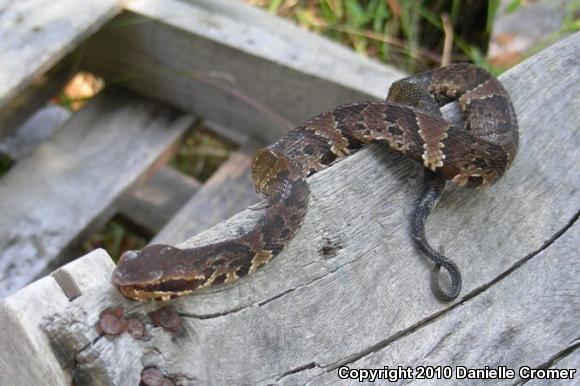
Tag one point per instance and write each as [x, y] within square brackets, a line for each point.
[472, 154]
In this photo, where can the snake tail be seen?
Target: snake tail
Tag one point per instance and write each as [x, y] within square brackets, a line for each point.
[433, 185]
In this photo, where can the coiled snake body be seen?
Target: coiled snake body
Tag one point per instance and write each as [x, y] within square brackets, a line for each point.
[409, 121]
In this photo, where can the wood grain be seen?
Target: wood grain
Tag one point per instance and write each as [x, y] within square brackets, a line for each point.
[69, 184]
[261, 77]
[21, 336]
[532, 325]
[350, 287]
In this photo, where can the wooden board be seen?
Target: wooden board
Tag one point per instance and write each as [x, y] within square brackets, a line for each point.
[350, 288]
[34, 38]
[526, 318]
[68, 186]
[227, 192]
[149, 203]
[22, 314]
[175, 206]
[261, 78]
[152, 203]
[24, 340]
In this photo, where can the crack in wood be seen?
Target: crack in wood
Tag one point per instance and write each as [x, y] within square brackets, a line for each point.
[298, 369]
[522, 261]
[270, 299]
[213, 315]
[76, 363]
[328, 273]
[411, 329]
[264, 302]
[553, 360]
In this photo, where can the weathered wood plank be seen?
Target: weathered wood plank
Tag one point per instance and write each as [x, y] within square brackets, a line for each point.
[68, 185]
[22, 313]
[24, 341]
[350, 283]
[152, 203]
[525, 319]
[228, 68]
[247, 144]
[35, 37]
[227, 192]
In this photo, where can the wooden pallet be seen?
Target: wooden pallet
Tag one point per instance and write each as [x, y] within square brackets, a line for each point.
[350, 290]
[202, 50]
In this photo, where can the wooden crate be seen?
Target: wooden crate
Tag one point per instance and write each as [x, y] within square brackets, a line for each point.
[367, 304]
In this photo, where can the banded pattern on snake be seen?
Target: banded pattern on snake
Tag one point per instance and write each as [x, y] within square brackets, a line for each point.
[409, 121]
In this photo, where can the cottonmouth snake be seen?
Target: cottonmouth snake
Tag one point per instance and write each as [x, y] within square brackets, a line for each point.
[409, 121]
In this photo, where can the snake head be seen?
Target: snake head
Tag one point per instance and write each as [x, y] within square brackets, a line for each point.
[156, 272]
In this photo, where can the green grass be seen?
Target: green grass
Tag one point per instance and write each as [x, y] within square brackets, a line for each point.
[572, 17]
[201, 154]
[117, 236]
[396, 31]
[389, 30]
[5, 164]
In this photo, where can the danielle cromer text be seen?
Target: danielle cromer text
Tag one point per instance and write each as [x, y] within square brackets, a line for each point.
[394, 374]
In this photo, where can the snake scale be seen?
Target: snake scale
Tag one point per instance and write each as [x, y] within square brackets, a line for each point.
[409, 121]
